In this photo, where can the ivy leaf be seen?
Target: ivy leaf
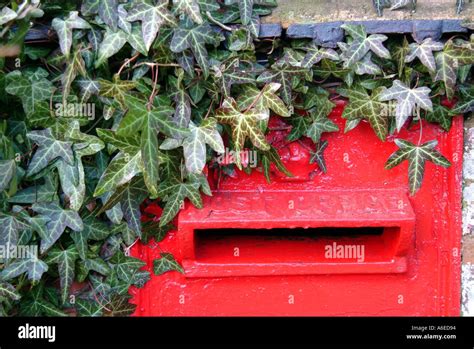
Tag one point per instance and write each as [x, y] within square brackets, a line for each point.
[226, 78]
[424, 52]
[7, 169]
[108, 12]
[152, 18]
[31, 89]
[112, 43]
[416, 156]
[441, 115]
[65, 259]
[194, 145]
[122, 22]
[366, 66]
[121, 170]
[65, 27]
[117, 89]
[318, 156]
[407, 99]
[74, 67]
[126, 267]
[263, 100]
[49, 149]
[315, 54]
[166, 263]
[131, 198]
[8, 291]
[320, 124]
[174, 195]
[361, 44]
[57, 220]
[364, 106]
[149, 122]
[10, 226]
[195, 38]
[379, 5]
[244, 124]
[88, 308]
[245, 9]
[189, 7]
[272, 156]
[32, 266]
[466, 100]
[448, 61]
[396, 4]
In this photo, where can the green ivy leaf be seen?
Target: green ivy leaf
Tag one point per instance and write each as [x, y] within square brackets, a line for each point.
[407, 99]
[188, 7]
[10, 226]
[152, 18]
[364, 106]
[195, 38]
[318, 156]
[244, 124]
[263, 100]
[424, 52]
[8, 291]
[49, 149]
[57, 220]
[108, 12]
[112, 43]
[32, 266]
[166, 263]
[174, 195]
[245, 9]
[117, 89]
[7, 169]
[315, 54]
[31, 89]
[65, 27]
[416, 156]
[65, 259]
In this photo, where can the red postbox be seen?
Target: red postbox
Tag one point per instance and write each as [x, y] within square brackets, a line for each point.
[348, 242]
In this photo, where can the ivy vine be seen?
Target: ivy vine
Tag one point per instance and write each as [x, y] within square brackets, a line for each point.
[125, 104]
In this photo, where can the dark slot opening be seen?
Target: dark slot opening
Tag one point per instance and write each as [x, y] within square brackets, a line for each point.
[289, 233]
[291, 244]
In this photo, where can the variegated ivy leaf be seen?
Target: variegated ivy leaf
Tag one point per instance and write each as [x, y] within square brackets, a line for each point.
[320, 123]
[10, 226]
[30, 88]
[8, 291]
[424, 52]
[416, 155]
[244, 124]
[7, 169]
[7, 15]
[166, 263]
[122, 22]
[46, 192]
[132, 195]
[245, 9]
[49, 149]
[112, 43]
[449, 60]
[182, 113]
[65, 27]
[174, 194]
[88, 88]
[152, 18]
[57, 220]
[240, 40]
[314, 54]
[117, 89]
[65, 259]
[108, 12]
[136, 41]
[263, 100]
[318, 156]
[195, 38]
[194, 145]
[466, 100]
[188, 7]
[32, 266]
[364, 106]
[229, 76]
[73, 68]
[441, 115]
[407, 99]
[121, 170]
[459, 6]
[366, 66]
[149, 121]
[361, 44]
[283, 75]
[72, 177]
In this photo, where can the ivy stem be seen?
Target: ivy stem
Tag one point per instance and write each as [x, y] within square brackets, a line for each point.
[421, 127]
[127, 62]
[154, 71]
[215, 21]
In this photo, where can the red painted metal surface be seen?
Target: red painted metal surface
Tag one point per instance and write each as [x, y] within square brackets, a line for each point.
[410, 266]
